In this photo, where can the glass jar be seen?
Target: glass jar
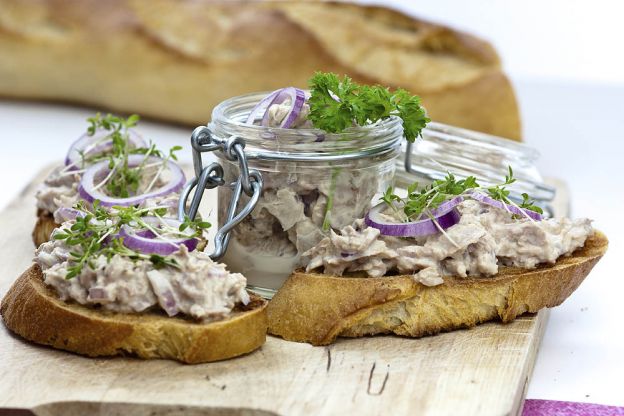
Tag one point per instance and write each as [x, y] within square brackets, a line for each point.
[443, 148]
[313, 182]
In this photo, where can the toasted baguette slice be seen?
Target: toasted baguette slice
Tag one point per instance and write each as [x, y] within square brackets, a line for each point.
[43, 228]
[317, 308]
[33, 310]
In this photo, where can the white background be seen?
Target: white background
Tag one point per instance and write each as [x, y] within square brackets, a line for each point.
[558, 40]
[566, 61]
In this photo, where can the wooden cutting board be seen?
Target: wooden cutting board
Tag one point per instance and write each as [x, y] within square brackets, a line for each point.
[480, 371]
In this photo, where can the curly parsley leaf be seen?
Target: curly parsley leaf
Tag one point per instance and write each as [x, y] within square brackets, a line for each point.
[336, 104]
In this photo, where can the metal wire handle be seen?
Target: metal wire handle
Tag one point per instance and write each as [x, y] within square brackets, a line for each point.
[211, 176]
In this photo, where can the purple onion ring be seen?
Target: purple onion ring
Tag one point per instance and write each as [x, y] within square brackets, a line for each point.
[297, 100]
[411, 229]
[73, 157]
[508, 207]
[87, 190]
[67, 214]
[263, 105]
[144, 240]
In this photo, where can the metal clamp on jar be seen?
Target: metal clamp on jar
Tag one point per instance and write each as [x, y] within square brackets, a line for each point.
[211, 176]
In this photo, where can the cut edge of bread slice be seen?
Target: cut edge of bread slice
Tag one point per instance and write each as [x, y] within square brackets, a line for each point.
[33, 310]
[317, 308]
[43, 227]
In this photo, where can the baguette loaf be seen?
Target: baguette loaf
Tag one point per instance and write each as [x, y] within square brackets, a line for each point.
[33, 311]
[176, 59]
[317, 308]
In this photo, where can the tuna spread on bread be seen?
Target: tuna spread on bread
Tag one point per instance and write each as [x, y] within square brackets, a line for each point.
[113, 163]
[451, 227]
[132, 260]
[484, 238]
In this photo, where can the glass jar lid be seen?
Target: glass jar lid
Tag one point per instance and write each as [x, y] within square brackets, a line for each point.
[443, 148]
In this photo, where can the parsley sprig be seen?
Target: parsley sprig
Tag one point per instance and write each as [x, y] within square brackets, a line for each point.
[422, 201]
[94, 233]
[335, 104]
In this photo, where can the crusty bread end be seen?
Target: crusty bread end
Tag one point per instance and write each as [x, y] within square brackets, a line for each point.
[33, 310]
[43, 228]
[317, 308]
[177, 59]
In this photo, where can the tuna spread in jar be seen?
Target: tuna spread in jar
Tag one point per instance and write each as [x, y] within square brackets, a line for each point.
[317, 177]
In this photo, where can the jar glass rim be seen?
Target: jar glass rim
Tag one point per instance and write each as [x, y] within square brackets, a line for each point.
[228, 119]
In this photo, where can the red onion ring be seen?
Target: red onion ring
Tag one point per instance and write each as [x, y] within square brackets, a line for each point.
[67, 214]
[74, 158]
[98, 294]
[446, 206]
[414, 228]
[261, 107]
[164, 292]
[508, 207]
[297, 100]
[144, 240]
[89, 194]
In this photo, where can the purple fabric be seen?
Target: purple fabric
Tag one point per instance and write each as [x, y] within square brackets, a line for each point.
[557, 408]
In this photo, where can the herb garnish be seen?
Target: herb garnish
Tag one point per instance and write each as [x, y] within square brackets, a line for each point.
[123, 180]
[528, 203]
[95, 233]
[335, 104]
[421, 202]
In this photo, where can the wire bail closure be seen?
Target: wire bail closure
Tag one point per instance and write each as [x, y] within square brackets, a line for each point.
[209, 177]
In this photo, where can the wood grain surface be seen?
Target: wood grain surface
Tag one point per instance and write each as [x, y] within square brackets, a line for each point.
[480, 371]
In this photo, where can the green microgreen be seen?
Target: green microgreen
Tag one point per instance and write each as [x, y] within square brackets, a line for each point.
[528, 203]
[330, 199]
[420, 202]
[123, 180]
[198, 225]
[95, 233]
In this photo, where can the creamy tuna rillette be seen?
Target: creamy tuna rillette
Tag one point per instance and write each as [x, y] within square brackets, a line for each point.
[313, 181]
[60, 190]
[484, 239]
[199, 287]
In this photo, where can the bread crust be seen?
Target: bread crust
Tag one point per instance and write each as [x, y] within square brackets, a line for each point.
[177, 59]
[43, 227]
[33, 311]
[317, 308]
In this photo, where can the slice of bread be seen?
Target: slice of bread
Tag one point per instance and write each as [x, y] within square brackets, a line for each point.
[32, 310]
[317, 308]
[43, 228]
